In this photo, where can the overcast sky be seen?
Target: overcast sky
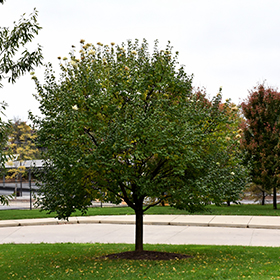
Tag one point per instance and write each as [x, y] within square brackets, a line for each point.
[230, 43]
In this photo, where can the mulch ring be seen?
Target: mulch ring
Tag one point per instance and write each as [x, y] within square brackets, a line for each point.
[147, 255]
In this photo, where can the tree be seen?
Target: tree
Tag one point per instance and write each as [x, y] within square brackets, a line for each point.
[13, 65]
[124, 125]
[22, 145]
[261, 130]
[231, 176]
[231, 162]
[256, 192]
[5, 128]
[4, 132]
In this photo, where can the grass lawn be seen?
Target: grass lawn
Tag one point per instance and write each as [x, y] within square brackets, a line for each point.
[245, 209]
[81, 261]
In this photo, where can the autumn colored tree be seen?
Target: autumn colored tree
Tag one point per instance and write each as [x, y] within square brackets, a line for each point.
[122, 124]
[22, 146]
[261, 130]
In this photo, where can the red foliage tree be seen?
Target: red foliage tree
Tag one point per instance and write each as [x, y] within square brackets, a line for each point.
[261, 131]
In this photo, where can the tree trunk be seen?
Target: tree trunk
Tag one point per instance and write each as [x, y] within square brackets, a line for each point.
[274, 198]
[263, 198]
[139, 229]
[228, 203]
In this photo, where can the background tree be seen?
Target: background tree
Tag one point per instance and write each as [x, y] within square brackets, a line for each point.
[22, 146]
[234, 173]
[256, 193]
[124, 125]
[261, 130]
[231, 175]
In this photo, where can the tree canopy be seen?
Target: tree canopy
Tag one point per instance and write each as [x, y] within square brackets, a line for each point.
[260, 139]
[122, 124]
[232, 174]
[13, 64]
[22, 146]
[5, 129]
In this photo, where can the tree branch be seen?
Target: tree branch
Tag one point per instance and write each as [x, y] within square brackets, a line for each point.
[156, 203]
[125, 196]
[87, 131]
[159, 166]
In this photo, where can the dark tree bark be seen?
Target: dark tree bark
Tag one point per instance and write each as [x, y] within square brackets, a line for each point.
[263, 197]
[139, 228]
[274, 198]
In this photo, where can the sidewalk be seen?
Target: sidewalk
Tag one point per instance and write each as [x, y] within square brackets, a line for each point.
[254, 222]
[202, 230]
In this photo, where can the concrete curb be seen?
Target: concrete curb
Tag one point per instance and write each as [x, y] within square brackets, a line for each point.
[260, 222]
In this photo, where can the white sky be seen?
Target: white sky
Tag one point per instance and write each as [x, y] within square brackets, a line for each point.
[230, 43]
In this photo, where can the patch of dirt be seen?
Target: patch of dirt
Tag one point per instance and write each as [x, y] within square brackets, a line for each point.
[147, 255]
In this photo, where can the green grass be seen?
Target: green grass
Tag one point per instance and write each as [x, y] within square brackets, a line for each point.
[81, 261]
[246, 209]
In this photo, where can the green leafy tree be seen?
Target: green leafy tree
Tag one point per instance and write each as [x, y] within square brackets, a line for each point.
[234, 173]
[122, 124]
[5, 129]
[12, 64]
[261, 130]
[231, 175]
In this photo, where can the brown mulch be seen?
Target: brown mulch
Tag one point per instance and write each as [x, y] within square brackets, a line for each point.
[147, 255]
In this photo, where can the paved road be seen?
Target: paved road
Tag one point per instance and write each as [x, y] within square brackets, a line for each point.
[114, 231]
